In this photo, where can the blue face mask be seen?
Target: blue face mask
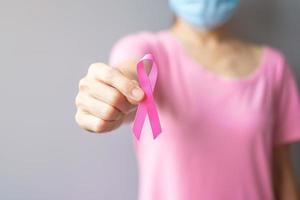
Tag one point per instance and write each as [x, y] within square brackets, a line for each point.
[204, 14]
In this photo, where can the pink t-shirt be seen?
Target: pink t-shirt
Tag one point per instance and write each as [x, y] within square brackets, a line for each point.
[217, 132]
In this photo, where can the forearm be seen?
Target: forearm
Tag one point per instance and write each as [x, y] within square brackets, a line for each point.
[286, 188]
[285, 185]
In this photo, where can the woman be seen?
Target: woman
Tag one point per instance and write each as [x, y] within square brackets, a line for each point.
[228, 108]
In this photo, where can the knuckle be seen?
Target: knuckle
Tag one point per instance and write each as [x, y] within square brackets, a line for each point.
[77, 119]
[107, 112]
[93, 67]
[115, 97]
[100, 127]
[78, 101]
[108, 74]
[83, 84]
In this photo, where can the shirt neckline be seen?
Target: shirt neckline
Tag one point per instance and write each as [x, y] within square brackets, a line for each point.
[222, 78]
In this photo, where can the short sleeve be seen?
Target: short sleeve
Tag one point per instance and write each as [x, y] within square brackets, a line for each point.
[287, 106]
[132, 46]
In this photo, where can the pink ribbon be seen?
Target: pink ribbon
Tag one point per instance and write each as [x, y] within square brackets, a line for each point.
[147, 105]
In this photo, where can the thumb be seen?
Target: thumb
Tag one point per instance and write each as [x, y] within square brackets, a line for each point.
[136, 92]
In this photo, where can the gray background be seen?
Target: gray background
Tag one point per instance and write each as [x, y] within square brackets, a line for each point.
[46, 47]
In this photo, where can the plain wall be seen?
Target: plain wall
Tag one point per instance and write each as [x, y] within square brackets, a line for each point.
[46, 47]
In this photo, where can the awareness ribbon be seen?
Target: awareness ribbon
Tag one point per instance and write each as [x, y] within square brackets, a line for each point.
[147, 105]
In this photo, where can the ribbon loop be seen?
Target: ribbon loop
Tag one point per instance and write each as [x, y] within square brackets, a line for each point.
[147, 105]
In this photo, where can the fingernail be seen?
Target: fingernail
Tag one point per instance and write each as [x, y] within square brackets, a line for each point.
[137, 93]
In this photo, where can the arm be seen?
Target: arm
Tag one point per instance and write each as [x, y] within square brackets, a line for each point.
[106, 96]
[285, 185]
[109, 93]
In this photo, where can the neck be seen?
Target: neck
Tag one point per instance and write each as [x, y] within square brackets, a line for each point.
[195, 36]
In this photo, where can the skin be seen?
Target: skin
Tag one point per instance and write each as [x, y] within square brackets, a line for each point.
[105, 99]
[285, 185]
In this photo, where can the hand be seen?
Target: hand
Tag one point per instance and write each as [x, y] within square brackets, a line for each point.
[105, 97]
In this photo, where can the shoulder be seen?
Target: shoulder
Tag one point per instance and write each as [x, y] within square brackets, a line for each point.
[282, 73]
[135, 45]
[132, 46]
[276, 56]
[278, 62]
[143, 37]
[272, 55]
[275, 64]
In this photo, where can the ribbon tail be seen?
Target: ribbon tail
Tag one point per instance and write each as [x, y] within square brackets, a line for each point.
[153, 117]
[139, 120]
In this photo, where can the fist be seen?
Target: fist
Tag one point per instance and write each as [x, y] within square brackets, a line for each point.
[106, 96]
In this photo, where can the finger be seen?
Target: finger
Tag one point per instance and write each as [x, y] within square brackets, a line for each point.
[112, 76]
[98, 108]
[110, 95]
[94, 124]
